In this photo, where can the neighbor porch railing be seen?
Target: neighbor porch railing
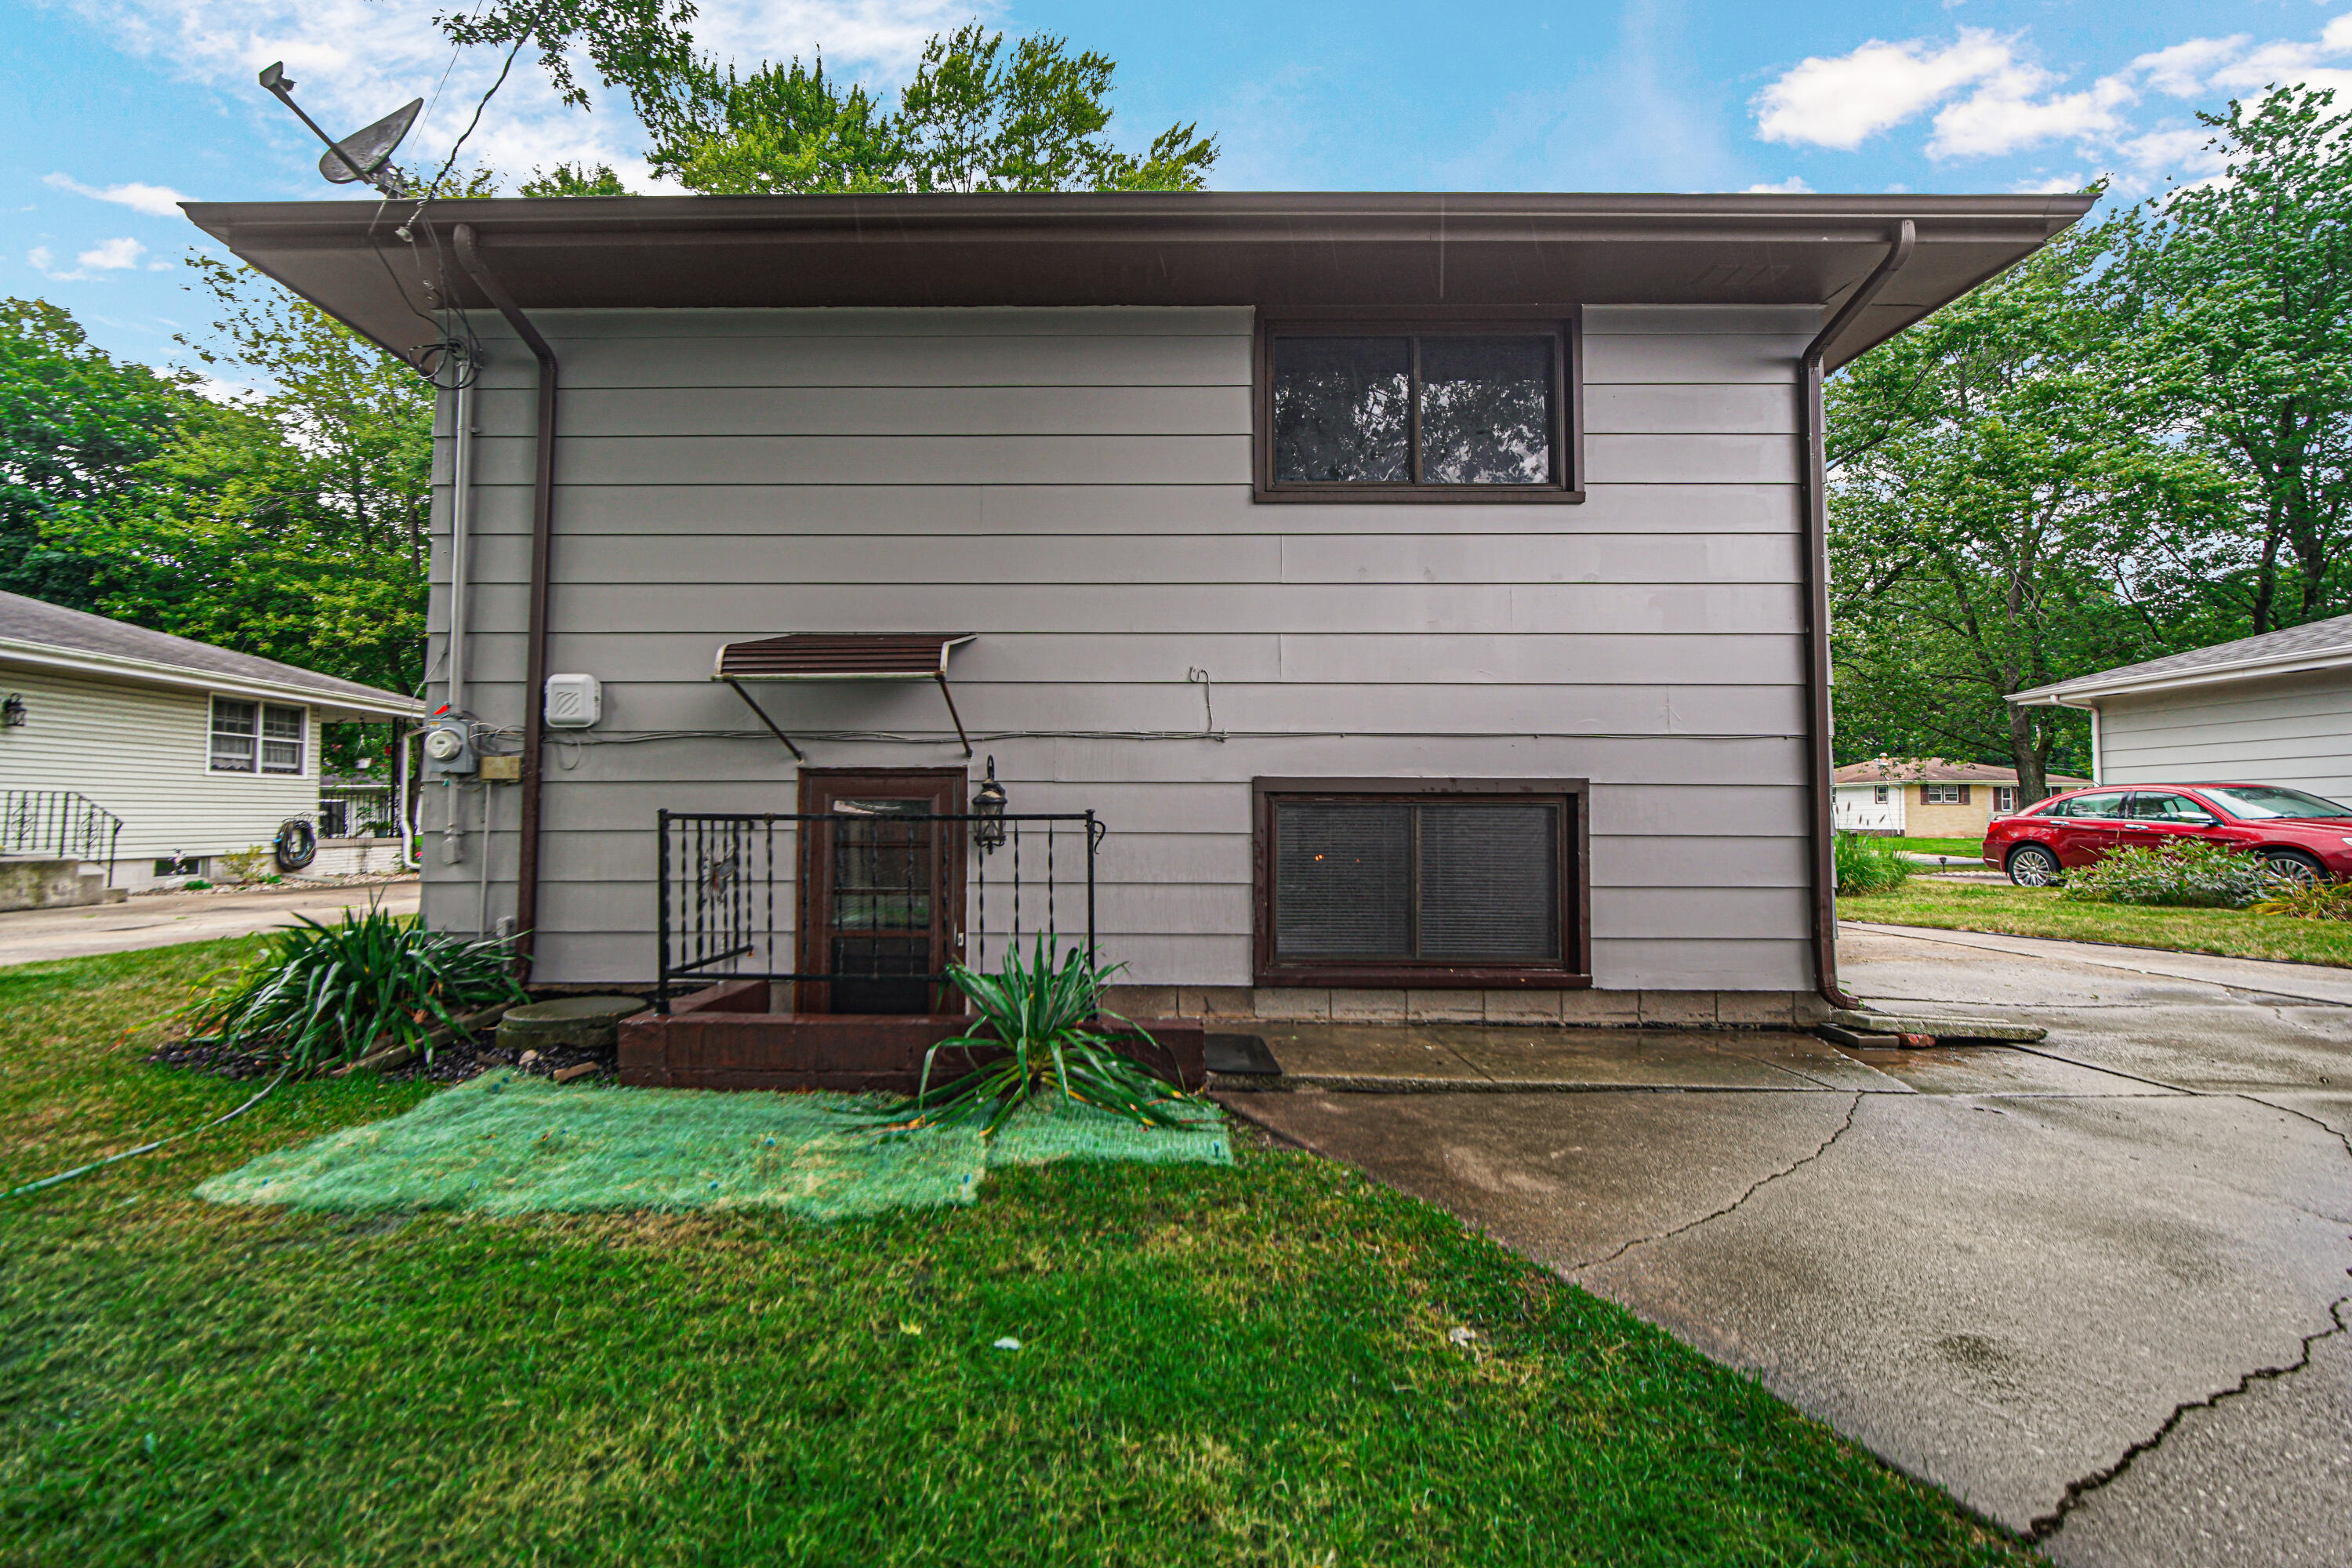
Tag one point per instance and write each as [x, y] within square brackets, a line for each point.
[58, 825]
[722, 917]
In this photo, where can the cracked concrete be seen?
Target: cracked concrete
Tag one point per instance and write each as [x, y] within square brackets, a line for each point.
[2096, 1287]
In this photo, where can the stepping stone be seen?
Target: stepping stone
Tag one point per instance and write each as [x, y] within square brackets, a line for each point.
[1993, 1029]
[582, 1023]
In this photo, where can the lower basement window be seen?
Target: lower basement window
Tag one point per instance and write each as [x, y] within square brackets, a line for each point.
[1391, 883]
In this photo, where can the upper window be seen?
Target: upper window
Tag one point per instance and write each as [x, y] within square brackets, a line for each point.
[1470, 412]
[249, 737]
[1389, 883]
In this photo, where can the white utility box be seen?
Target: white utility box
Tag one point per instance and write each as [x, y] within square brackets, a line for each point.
[574, 702]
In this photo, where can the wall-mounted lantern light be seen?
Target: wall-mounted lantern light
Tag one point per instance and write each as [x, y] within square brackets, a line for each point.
[988, 805]
[12, 711]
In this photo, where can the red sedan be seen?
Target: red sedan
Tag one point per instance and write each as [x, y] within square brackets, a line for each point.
[2297, 833]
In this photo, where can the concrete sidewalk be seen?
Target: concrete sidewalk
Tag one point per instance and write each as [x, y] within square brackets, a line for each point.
[2096, 1288]
[162, 920]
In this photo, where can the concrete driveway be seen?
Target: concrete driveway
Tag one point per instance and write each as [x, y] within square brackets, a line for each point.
[161, 919]
[2097, 1289]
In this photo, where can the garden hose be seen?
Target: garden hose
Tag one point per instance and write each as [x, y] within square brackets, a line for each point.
[145, 1148]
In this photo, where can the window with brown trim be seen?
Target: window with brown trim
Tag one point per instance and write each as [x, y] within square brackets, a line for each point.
[1469, 410]
[1423, 882]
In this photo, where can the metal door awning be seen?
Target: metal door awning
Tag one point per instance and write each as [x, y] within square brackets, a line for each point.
[841, 656]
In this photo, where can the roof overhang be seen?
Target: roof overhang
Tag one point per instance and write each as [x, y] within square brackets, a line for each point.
[143, 672]
[1282, 253]
[2091, 689]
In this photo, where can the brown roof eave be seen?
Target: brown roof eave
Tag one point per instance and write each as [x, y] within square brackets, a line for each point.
[1269, 249]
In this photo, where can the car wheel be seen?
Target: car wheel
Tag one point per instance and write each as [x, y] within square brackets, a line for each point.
[2294, 866]
[2031, 865]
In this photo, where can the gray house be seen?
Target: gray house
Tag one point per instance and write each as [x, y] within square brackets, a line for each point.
[1422, 592]
[2274, 708]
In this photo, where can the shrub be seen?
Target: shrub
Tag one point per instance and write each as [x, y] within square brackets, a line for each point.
[2308, 900]
[2188, 873]
[320, 995]
[248, 865]
[1867, 863]
[1044, 1015]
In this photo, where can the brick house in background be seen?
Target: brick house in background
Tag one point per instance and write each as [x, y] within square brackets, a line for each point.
[1928, 798]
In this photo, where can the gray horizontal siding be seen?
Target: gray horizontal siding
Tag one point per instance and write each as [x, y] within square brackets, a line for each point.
[1073, 487]
[1141, 558]
[2293, 731]
[1338, 659]
[1668, 510]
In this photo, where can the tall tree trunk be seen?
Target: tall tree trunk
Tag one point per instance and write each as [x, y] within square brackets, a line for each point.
[2032, 760]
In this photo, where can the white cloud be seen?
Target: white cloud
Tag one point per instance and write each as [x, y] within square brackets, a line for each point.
[2005, 114]
[113, 255]
[40, 256]
[156, 201]
[2181, 69]
[1843, 102]
[355, 60]
[1991, 96]
[2053, 186]
[1794, 185]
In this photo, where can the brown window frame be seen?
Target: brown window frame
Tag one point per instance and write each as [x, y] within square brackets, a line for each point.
[1571, 971]
[1565, 488]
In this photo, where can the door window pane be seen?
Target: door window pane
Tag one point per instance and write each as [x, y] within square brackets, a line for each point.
[1339, 409]
[1485, 411]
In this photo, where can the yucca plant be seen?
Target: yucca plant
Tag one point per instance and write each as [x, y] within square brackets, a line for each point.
[320, 995]
[1044, 1014]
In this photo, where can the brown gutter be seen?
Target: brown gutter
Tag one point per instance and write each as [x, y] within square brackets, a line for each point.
[1818, 712]
[542, 517]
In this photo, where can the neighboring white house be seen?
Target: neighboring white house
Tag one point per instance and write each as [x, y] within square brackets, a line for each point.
[2274, 709]
[198, 752]
[1928, 798]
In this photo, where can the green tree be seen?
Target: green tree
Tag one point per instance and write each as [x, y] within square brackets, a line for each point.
[573, 180]
[2238, 293]
[77, 429]
[2006, 510]
[977, 116]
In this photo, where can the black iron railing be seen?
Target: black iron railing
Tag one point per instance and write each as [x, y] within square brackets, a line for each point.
[359, 811]
[58, 825]
[864, 910]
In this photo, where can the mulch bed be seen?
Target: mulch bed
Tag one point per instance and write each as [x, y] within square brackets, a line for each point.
[452, 1063]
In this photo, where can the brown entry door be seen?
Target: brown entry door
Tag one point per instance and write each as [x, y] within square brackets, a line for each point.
[881, 890]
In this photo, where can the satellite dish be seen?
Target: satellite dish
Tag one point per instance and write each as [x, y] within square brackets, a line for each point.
[362, 153]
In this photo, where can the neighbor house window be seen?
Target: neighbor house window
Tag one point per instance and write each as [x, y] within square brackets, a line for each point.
[2004, 797]
[1944, 794]
[1878, 794]
[1388, 882]
[247, 737]
[1459, 413]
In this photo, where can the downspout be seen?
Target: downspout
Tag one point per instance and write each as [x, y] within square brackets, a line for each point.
[542, 512]
[1818, 712]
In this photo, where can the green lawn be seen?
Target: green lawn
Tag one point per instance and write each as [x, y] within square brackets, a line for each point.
[2039, 912]
[1971, 847]
[1218, 1365]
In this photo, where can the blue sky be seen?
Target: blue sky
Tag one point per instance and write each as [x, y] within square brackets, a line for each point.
[122, 107]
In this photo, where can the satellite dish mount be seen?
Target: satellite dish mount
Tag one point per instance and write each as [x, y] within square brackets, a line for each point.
[364, 156]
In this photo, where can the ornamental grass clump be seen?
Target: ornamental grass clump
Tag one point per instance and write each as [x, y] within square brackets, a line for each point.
[1044, 1015]
[1869, 863]
[2189, 873]
[321, 994]
[2308, 900]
